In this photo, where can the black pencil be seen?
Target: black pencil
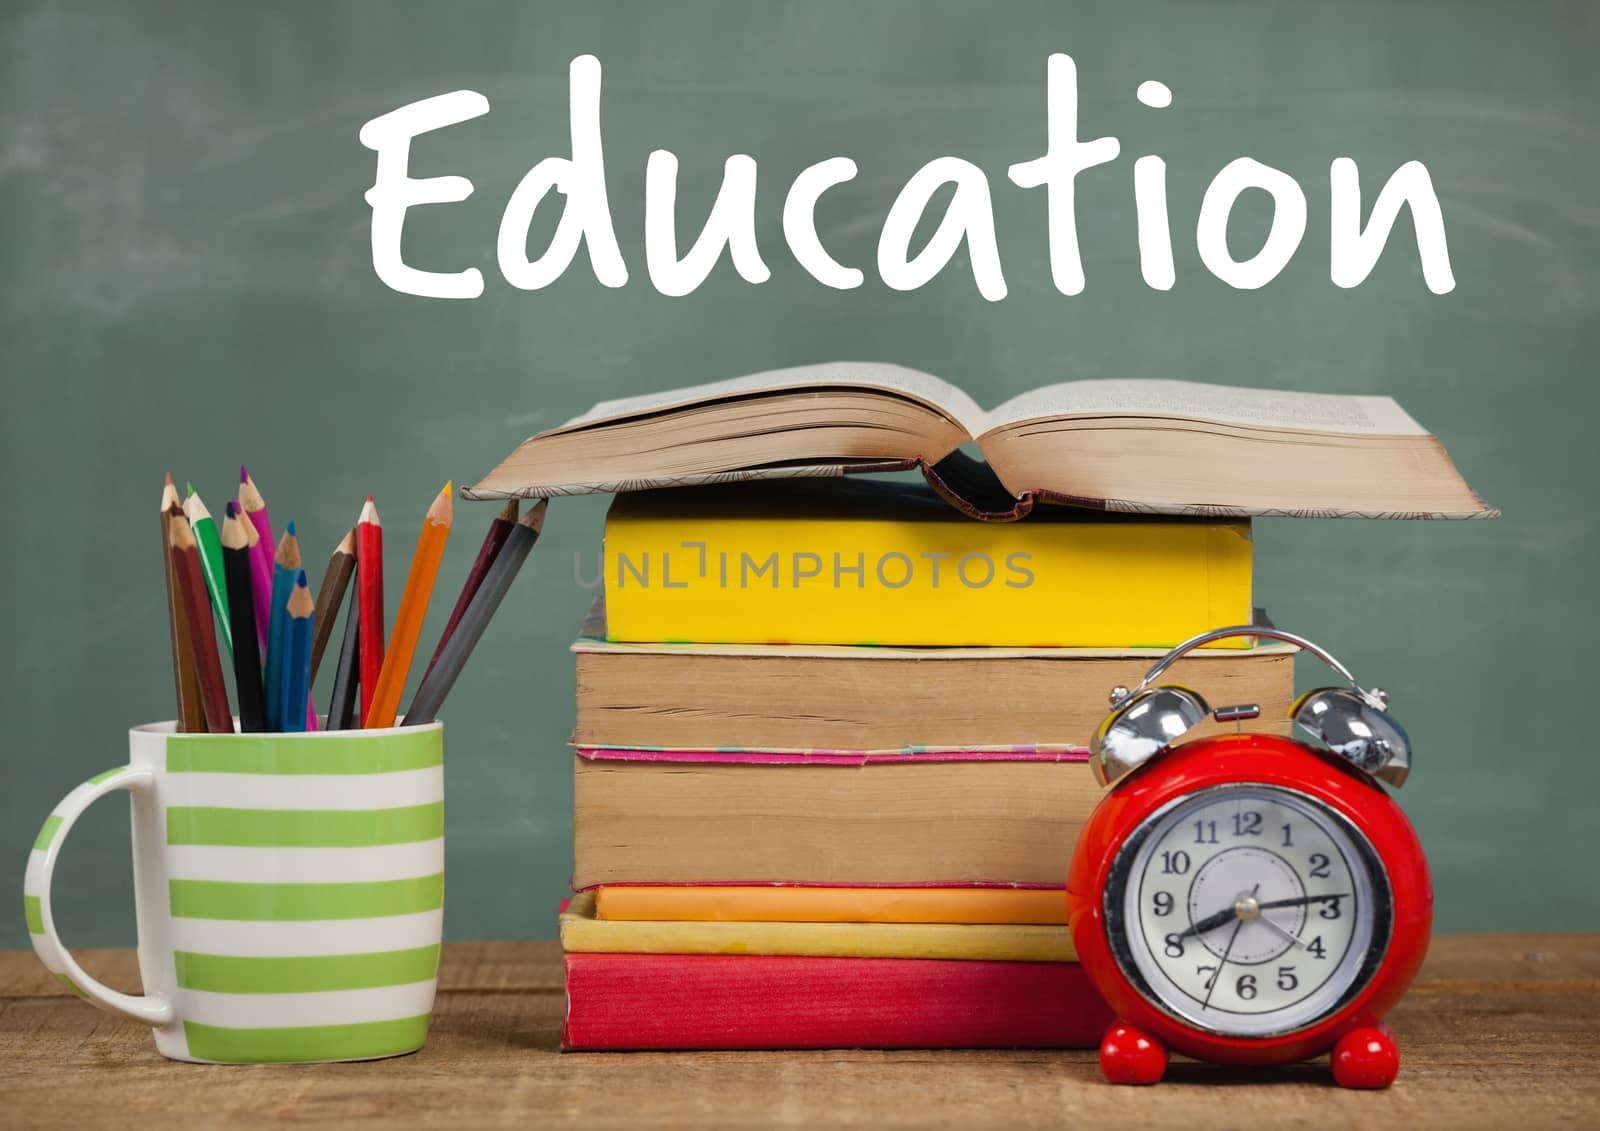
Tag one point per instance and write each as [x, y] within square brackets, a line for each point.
[453, 657]
[242, 618]
[342, 705]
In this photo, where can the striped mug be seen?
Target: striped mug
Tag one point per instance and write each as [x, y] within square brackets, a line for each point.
[289, 891]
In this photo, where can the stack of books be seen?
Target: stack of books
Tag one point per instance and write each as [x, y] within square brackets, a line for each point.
[830, 757]
[858, 837]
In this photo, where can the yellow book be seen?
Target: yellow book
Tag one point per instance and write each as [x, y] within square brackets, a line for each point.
[878, 563]
[582, 932]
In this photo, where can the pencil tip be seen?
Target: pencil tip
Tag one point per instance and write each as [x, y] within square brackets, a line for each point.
[535, 516]
[244, 476]
[369, 498]
[442, 509]
[232, 508]
[188, 488]
[300, 580]
[290, 529]
[169, 479]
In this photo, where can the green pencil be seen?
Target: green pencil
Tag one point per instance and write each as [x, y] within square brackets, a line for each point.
[210, 543]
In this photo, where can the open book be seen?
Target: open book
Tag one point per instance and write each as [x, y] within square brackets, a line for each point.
[1170, 447]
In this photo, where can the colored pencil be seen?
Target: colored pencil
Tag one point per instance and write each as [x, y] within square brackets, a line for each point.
[499, 530]
[254, 508]
[413, 608]
[342, 703]
[186, 681]
[334, 582]
[286, 564]
[369, 593]
[260, 578]
[210, 546]
[192, 589]
[430, 696]
[236, 568]
[299, 615]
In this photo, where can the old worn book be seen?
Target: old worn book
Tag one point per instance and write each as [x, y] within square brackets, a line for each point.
[875, 562]
[721, 1001]
[1174, 447]
[807, 903]
[822, 698]
[583, 932]
[960, 819]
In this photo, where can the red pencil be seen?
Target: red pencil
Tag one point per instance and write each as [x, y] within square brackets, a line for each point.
[369, 596]
[499, 530]
[191, 587]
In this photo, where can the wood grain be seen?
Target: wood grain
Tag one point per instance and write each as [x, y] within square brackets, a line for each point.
[1499, 1031]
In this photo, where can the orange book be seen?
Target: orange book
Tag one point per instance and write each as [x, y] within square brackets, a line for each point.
[788, 904]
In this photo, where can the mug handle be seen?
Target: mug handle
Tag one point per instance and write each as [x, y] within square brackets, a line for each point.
[151, 1009]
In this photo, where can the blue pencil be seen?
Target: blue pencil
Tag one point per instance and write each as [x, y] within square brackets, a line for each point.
[299, 616]
[285, 565]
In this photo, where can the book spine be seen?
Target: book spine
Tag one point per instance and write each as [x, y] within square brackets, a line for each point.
[652, 1001]
[755, 579]
[801, 903]
[829, 757]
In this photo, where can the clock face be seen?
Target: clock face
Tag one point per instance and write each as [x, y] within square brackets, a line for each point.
[1248, 910]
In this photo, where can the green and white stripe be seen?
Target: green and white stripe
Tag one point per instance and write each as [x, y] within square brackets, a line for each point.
[301, 892]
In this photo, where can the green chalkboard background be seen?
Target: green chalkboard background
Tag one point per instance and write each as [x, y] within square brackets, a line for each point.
[185, 283]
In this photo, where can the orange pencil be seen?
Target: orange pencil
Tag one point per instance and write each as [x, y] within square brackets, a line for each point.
[413, 607]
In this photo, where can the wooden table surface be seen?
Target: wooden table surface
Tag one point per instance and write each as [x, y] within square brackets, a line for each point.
[1499, 1031]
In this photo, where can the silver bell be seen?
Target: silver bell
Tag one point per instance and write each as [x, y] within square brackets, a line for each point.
[1150, 722]
[1357, 731]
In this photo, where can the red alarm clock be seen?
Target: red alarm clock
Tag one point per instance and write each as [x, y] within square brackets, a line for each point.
[1250, 899]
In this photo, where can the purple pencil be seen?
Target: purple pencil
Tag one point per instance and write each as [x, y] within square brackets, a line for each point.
[260, 576]
[254, 508]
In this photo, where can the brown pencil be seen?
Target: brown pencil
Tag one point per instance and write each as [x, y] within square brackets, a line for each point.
[191, 586]
[186, 684]
[334, 582]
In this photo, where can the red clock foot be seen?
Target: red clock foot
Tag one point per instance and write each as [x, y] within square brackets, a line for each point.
[1364, 1058]
[1131, 1056]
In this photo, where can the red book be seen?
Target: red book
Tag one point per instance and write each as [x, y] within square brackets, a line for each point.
[717, 1001]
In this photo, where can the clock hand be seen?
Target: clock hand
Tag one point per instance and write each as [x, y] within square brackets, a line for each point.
[1211, 922]
[1227, 950]
[1284, 931]
[1304, 899]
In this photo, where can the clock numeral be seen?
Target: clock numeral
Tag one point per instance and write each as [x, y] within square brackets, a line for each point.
[1320, 866]
[1205, 832]
[1286, 978]
[1330, 908]
[1175, 863]
[1247, 823]
[1245, 987]
[1202, 971]
[1163, 903]
[1174, 946]
[1315, 948]
[1288, 838]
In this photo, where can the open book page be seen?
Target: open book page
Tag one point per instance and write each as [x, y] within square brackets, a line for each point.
[939, 395]
[1223, 404]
